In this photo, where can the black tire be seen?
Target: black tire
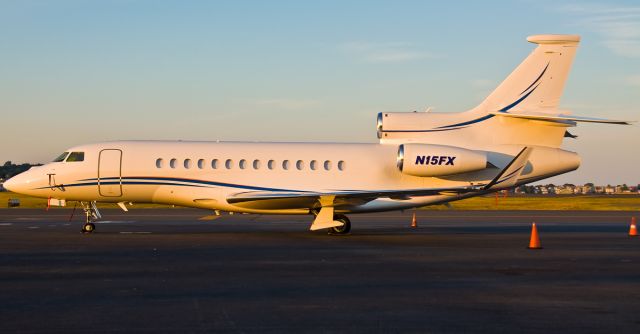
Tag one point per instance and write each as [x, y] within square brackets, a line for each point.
[88, 228]
[344, 229]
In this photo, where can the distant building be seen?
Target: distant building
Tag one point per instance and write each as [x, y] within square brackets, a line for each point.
[562, 190]
[588, 189]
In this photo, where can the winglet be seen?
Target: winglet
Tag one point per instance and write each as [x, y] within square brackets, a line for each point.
[509, 175]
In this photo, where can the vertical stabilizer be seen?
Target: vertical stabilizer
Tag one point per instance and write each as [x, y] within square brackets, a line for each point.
[537, 83]
[522, 110]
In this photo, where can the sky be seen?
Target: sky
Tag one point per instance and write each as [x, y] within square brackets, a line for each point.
[77, 72]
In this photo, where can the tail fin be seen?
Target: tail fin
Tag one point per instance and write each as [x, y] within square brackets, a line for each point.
[536, 85]
[528, 99]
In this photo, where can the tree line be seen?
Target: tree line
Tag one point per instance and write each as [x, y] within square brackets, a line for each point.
[10, 169]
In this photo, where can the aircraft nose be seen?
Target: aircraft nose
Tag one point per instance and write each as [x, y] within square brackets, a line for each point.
[18, 184]
[9, 184]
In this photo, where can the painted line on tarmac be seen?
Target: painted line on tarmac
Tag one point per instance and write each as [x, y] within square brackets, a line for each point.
[502, 216]
[35, 215]
[209, 217]
[6, 224]
[33, 227]
[143, 215]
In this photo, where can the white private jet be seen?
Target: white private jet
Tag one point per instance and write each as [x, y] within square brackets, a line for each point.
[512, 138]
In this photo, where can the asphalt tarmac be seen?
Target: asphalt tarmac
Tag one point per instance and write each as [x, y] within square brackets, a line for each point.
[181, 271]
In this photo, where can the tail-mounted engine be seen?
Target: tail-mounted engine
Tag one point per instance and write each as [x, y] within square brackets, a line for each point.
[394, 126]
[438, 160]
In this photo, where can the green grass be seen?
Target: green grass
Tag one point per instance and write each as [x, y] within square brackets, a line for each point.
[562, 202]
[29, 202]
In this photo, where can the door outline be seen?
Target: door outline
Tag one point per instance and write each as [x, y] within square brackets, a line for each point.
[119, 173]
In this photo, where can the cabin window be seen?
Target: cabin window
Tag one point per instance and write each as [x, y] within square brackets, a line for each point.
[159, 163]
[214, 163]
[75, 157]
[300, 165]
[61, 157]
[341, 165]
[313, 165]
[256, 164]
[187, 163]
[228, 163]
[271, 164]
[243, 164]
[172, 163]
[201, 163]
[327, 165]
[285, 165]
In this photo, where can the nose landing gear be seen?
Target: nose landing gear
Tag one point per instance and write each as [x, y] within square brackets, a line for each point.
[91, 213]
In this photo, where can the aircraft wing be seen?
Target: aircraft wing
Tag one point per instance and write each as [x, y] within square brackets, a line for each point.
[352, 197]
[506, 178]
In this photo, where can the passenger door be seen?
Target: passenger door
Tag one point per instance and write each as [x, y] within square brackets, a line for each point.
[110, 173]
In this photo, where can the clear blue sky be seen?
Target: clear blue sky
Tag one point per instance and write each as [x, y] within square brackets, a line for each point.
[74, 72]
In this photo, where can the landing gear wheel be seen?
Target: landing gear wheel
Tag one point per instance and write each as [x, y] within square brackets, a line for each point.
[344, 229]
[88, 228]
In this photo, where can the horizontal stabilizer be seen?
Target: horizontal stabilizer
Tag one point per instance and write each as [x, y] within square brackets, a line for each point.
[559, 118]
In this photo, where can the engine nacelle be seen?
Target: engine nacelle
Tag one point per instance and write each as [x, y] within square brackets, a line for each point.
[398, 125]
[438, 160]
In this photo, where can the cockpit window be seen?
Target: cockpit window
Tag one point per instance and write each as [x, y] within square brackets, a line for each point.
[76, 156]
[61, 157]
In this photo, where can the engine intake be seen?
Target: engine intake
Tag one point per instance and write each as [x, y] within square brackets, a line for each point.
[438, 160]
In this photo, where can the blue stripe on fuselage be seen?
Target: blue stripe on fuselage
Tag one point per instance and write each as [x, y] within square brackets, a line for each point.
[185, 180]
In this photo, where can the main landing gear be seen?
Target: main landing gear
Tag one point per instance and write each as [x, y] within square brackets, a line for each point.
[326, 218]
[91, 213]
[346, 225]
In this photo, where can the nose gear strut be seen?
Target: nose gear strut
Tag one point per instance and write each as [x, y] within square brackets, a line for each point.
[91, 213]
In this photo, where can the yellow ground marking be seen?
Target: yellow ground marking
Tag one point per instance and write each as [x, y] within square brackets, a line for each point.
[209, 217]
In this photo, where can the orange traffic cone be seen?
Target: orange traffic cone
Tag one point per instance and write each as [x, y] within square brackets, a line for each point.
[534, 243]
[414, 221]
[633, 232]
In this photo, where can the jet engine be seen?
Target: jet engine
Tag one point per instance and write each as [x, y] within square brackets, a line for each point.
[396, 125]
[438, 160]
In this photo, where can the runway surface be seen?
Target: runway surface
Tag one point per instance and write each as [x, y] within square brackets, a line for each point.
[179, 270]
